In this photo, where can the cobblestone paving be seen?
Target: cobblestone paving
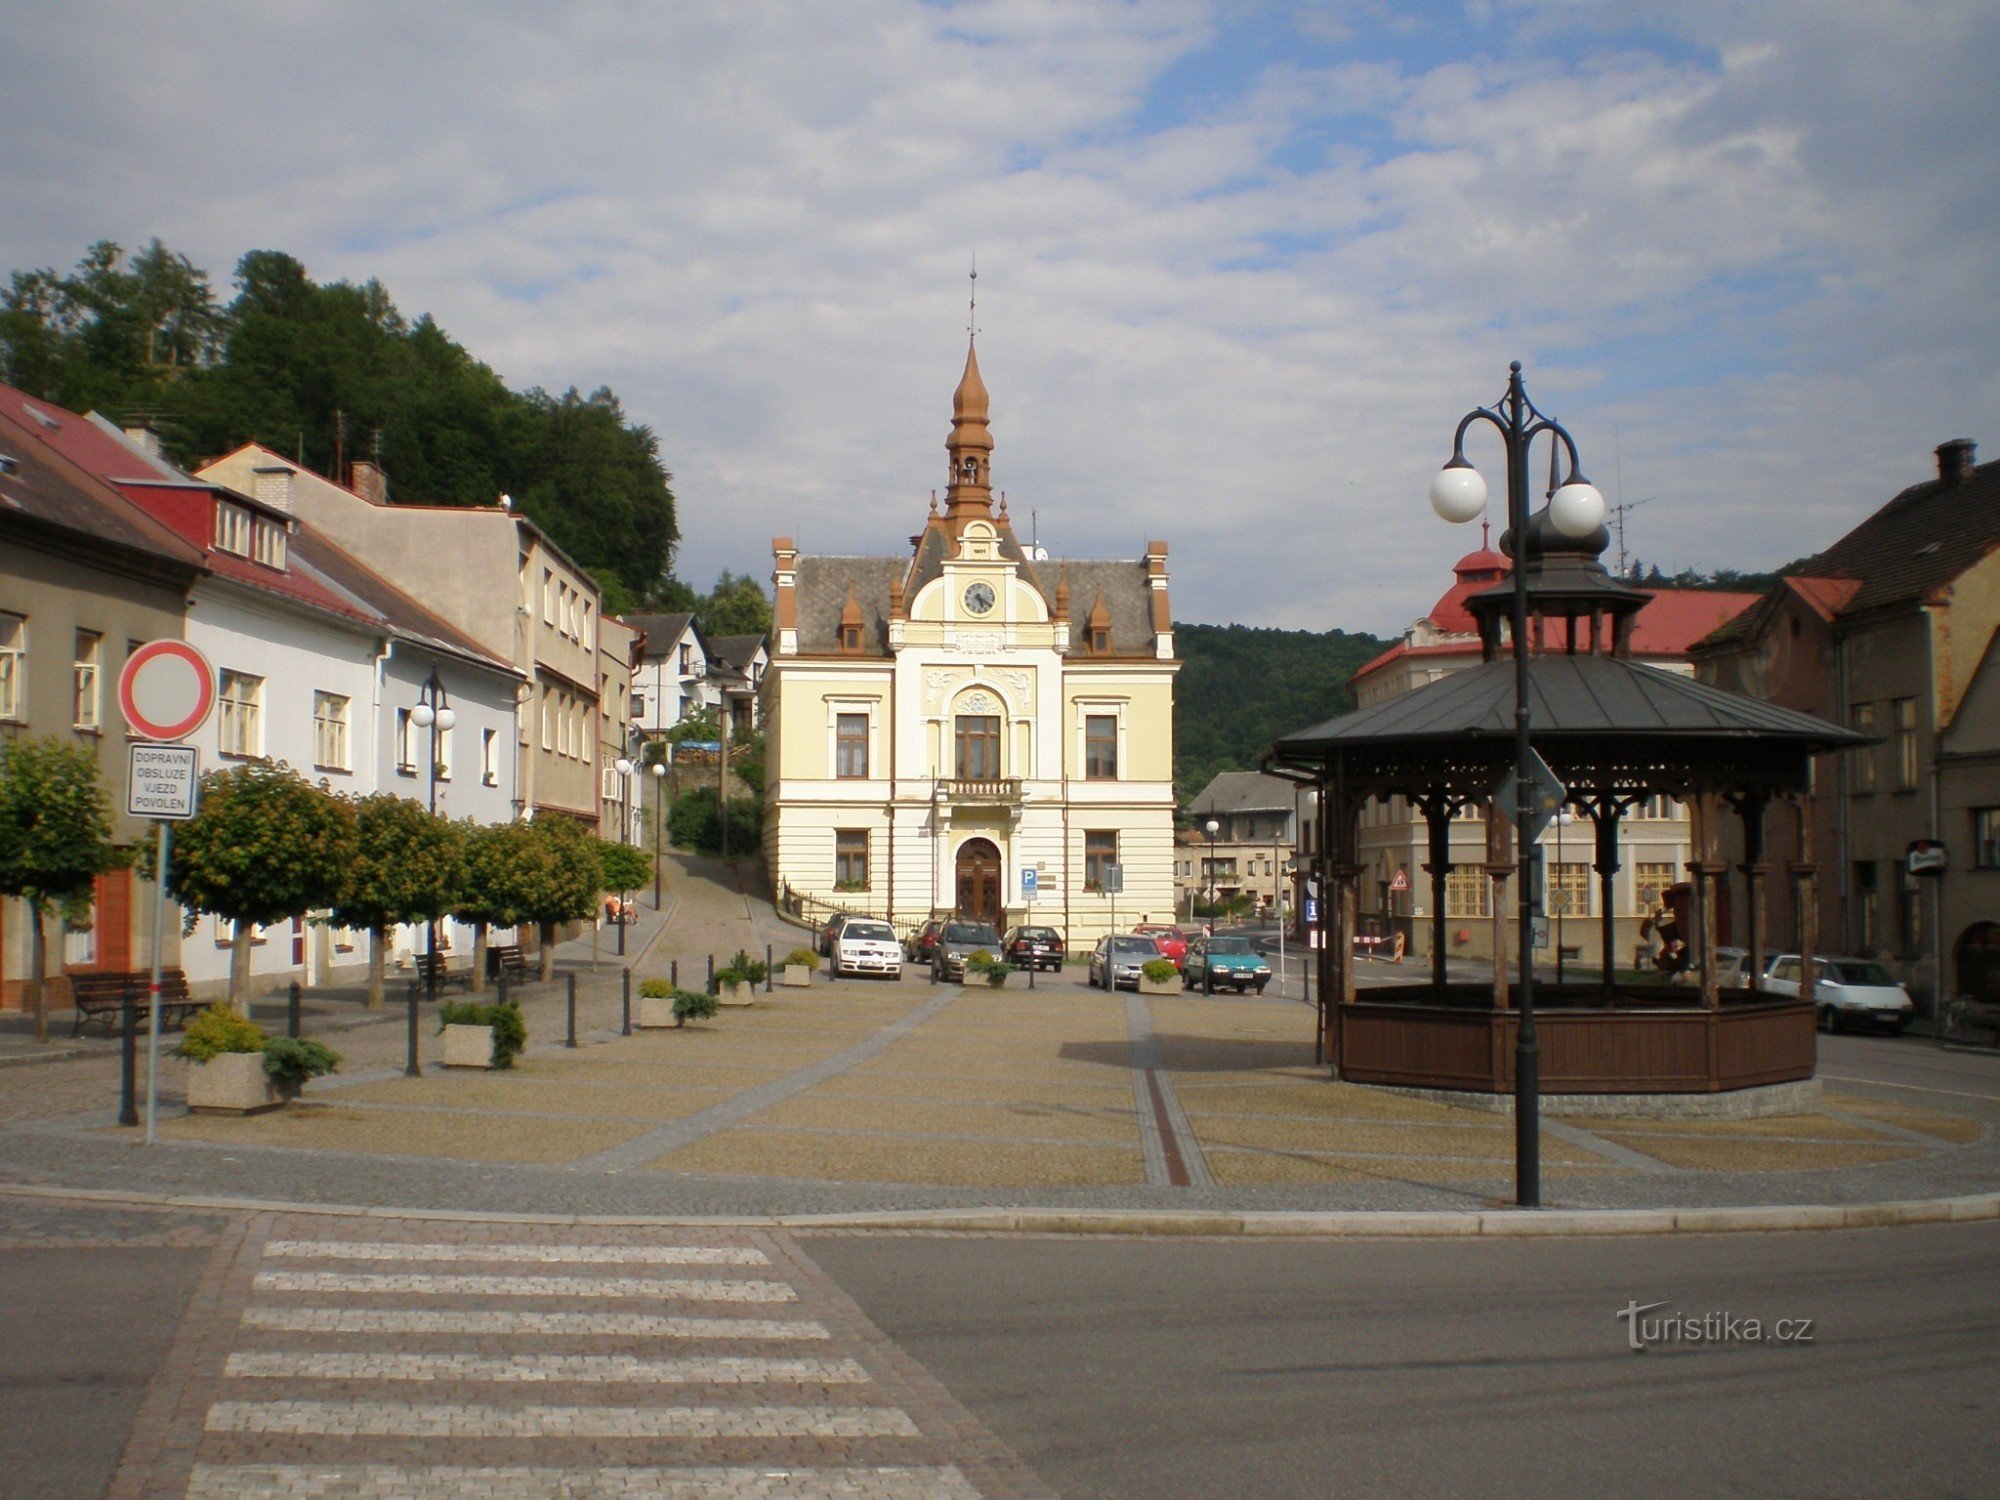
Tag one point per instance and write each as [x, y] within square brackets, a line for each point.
[296, 1376]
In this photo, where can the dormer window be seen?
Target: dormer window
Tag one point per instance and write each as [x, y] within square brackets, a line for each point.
[232, 528]
[850, 637]
[270, 542]
[1100, 642]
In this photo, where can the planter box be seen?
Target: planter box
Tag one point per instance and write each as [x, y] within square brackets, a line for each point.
[653, 1012]
[468, 1046]
[735, 994]
[232, 1083]
[798, 976]
[1159, 986]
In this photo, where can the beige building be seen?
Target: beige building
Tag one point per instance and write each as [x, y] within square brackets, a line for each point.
[620, 796]
[964, 728]
[496, 576]
[1256, 828]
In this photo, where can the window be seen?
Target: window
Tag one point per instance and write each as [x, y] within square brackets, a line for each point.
[1466, 892]
[489, 757]
[79, 941]
[850, 859]
[548, 596]
[1569, 889]
[232, 528]
[1100, 747]
[406, 743]
[850, 739]
[1863, 759]
[13, 667]
[89, 651]
[1986, 838]
[1910, 912]
[548, 719]
[270, 544]
[1652, 877]
[1906, 744]
[330, 732]
[1867, 908]
[242, 703]
[1100, 852]
[562, 727]
[978, 747]
[687, 658]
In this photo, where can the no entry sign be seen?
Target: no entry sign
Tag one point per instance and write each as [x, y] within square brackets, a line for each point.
[166, 690]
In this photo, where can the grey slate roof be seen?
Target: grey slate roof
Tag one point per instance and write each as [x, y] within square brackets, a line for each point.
[1570, 696]
[661, 631]
[1919, 541]
[737, 650]
[34, 491]
[822, 584]
[1244, 791]
[1128, 600]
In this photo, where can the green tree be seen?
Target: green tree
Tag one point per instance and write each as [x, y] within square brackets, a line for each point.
[697, 822]
[621, 867]
[265, 846]
[567, 884]
[55, 840]
[407, 865]
[735, 606]
[504, 865]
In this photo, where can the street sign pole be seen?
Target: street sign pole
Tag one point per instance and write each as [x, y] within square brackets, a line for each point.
[153, 985]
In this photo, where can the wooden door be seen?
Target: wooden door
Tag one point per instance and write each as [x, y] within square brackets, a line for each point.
[979, 881]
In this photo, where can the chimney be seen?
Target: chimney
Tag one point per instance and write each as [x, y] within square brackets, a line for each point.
[146, 441]
[274, 488]
[1954, 460]
[368, 481]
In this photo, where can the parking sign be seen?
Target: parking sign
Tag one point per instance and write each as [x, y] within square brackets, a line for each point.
[1030, 883]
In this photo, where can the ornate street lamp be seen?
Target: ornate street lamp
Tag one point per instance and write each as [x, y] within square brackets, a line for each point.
[1208, 959]
[1575, 508]
[659, 770]
[433, 714]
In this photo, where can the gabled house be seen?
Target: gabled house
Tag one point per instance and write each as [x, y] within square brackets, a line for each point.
[1256, 834]
[737, 664]
[669, 682]
[1890, 632]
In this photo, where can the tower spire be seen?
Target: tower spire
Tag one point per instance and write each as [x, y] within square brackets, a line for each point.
[969, 493]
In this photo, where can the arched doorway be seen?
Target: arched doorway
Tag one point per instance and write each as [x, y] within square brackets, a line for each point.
[1978, 962]
[979, 881]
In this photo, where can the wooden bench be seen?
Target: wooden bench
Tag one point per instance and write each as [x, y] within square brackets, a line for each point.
[101, 993]
[432, 966]
[505, 959]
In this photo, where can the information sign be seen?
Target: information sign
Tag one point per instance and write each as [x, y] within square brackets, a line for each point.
[163, 781]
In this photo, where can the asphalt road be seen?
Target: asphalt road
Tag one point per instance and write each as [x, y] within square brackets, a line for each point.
[1910, 1067]
[1200, 1369]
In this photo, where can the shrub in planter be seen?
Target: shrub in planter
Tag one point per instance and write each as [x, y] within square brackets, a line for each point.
[753, 970]
[218, 1030]
[228, 1076]
[978, 958]
[1158, 976]
[690, 1005]
[798, 967]
[291, 1060]
[510, 1029]
[802, 956]
[996, 974]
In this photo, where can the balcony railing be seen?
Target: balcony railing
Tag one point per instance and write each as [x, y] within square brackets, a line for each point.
[1007, 790]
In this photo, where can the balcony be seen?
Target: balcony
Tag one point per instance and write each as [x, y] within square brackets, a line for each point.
[1003, 793]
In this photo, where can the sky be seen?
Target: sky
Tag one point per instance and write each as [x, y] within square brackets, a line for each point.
[1241, 266]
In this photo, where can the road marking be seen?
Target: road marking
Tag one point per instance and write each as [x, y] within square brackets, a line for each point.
[1172, 1152]
[397, 1419]
[690, 1289]
[511, 1321]
[584, 1369]
[1914, 1087]
[761, 1482]
[590, 1255]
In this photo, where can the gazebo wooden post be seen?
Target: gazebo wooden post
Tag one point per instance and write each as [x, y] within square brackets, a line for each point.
[1437, 817]
[1750, 811]
[1606, 823]
[1803, 871]
[1499, 865]
[1706, 870]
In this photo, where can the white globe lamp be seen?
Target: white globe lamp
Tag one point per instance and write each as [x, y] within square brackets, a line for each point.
[1458, 494]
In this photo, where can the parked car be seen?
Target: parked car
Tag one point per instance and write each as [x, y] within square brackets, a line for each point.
[1033, 947]
[923, 942]
[1234, 963]
[1116, 960]
[827, 934]
[865, 946]
[1846, 989]
[956, 942]
[1173, 942]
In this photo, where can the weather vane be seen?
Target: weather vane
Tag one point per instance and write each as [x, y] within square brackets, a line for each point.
[972, 310]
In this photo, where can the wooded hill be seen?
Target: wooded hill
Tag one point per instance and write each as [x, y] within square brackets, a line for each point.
[328, 374]
[1241, 688]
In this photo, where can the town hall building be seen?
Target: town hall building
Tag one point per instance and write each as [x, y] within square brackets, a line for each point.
[970, 729]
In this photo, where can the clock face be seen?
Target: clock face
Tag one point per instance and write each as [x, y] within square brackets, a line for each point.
[979, 598]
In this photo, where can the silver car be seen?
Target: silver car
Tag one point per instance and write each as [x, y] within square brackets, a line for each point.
[1846, 989]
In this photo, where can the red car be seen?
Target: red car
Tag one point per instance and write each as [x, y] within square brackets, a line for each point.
[1173, 942]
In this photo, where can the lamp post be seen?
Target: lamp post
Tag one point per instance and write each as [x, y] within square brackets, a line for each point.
[659, 770]
[433, 714]
[1575, 508]
[624, 769]
[1208, 959]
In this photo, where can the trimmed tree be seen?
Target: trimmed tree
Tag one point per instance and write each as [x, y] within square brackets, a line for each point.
[566, 887]
[265, 846]
[55, 840]
[505, 863]
[408, 866]
[622, 868]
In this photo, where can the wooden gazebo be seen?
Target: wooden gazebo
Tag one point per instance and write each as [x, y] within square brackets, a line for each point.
[1615, 732]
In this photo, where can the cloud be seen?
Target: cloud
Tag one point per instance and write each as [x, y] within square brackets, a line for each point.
[1241, 268]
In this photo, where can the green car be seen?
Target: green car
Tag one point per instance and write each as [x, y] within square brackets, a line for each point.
[1236, 965]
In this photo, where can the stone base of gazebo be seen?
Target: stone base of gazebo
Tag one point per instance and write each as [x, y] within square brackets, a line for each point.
[1629, 1045]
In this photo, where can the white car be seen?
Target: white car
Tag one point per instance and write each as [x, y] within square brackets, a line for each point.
[1845, 989]
[868, 947]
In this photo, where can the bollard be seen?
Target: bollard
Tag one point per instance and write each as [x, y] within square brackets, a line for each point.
[711, 973]
[625, 996]
[767, 969]
[292, 1011]
[128, 1061]
[674, 972]
[502, 997]
[572, 1012]
[1033, 967]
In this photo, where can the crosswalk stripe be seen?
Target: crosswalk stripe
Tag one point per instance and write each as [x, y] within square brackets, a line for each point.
[518, 1321]
[590, 1255]
[589, 1369]
[395, 1419]
[692, 1289]
[761, 1482]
